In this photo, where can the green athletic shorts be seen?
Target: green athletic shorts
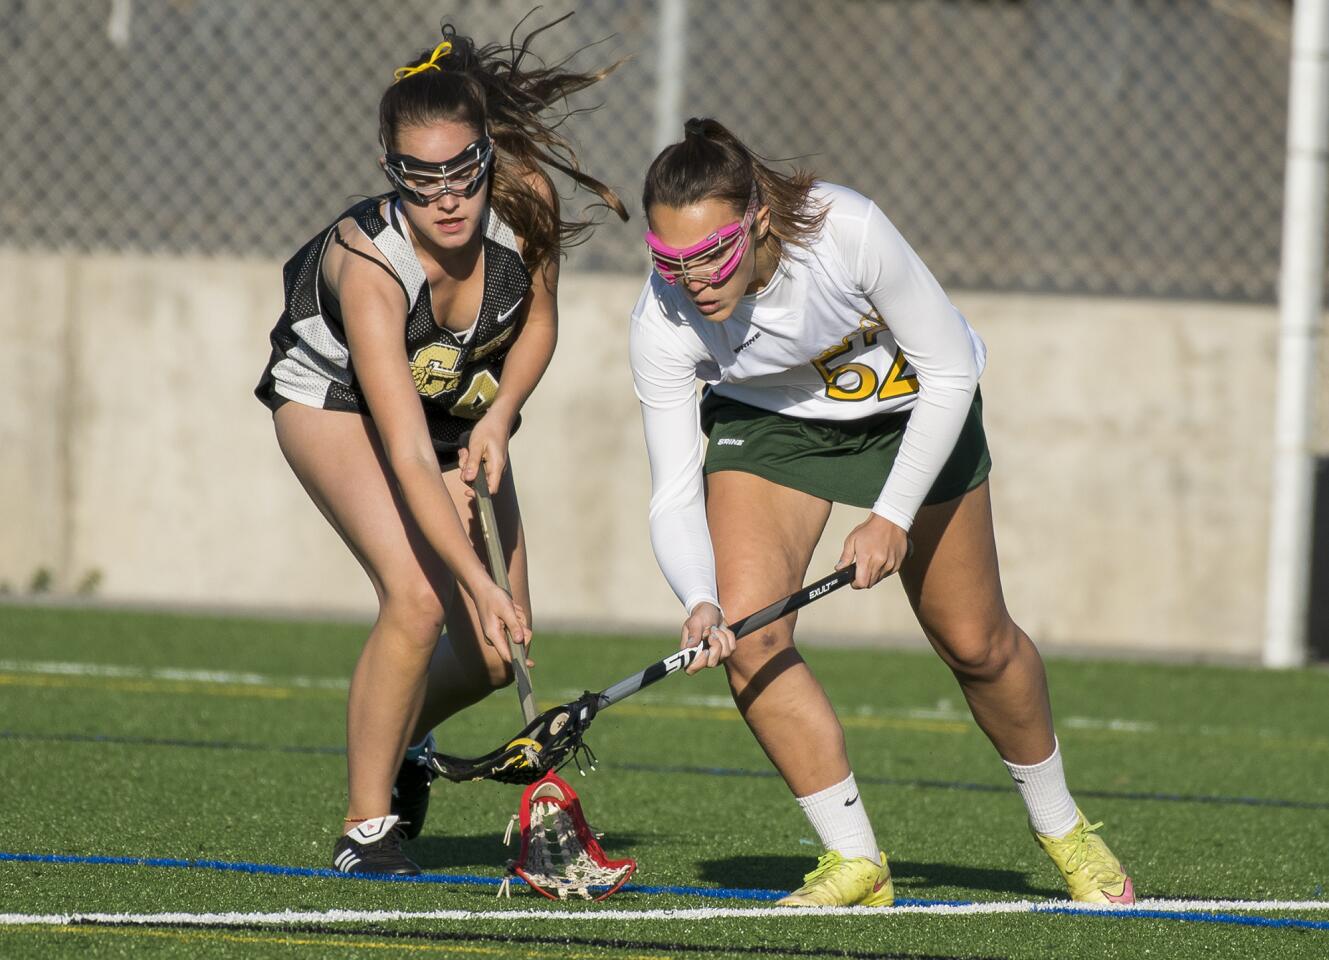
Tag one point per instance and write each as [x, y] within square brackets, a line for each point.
[844, 461]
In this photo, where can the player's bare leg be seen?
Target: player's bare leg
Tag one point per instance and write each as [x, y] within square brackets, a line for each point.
[339, 461]
[465, 669]
[953, 583]
[764, 535]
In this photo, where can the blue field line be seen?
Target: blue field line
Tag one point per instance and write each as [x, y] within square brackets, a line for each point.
[1237, 919]
[241, 745]
[454, 879]
[722, 893]
[229, 866]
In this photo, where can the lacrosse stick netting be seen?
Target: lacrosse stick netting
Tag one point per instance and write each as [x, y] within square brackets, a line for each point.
[559, 852]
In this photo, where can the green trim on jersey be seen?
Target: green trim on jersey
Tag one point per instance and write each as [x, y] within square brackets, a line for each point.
[844, 461]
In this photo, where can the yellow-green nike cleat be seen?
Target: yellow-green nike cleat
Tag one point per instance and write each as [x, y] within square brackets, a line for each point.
[842, 882]
[1091, 870]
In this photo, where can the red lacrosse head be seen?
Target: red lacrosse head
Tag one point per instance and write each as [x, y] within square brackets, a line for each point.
[552, 801]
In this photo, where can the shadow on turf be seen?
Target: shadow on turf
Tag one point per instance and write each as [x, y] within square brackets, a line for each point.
[913, 878]
[484, 849]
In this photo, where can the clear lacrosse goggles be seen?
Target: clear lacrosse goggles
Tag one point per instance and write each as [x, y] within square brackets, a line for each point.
[422, 182]
[712, 259]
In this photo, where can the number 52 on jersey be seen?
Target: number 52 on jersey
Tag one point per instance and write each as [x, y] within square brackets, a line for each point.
[857, 381]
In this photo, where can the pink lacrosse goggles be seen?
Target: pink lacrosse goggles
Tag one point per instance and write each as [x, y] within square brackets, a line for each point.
[712, 259]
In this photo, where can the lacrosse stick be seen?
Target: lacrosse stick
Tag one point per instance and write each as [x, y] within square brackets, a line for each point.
[498, 569]
[559, 852]
[556, 736]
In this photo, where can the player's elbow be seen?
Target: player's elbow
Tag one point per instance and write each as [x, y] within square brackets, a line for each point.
[957, 381]
[410, 462]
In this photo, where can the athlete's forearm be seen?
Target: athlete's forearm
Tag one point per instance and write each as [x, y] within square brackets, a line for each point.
[526, 363]
[939, 345]
[375, 323]
[666, 385]
[427, 498]
[680, 535]
[929, 439]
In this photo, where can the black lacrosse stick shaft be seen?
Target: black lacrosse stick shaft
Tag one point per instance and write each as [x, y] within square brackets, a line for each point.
[555, 737]
[681, 659]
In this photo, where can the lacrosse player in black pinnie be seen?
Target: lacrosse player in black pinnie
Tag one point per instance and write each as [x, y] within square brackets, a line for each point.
[416, 317]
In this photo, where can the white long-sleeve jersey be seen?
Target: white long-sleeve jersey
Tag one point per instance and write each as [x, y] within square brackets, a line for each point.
[852, 326]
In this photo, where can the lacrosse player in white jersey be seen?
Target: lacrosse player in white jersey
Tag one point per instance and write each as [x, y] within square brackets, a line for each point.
[836, 370]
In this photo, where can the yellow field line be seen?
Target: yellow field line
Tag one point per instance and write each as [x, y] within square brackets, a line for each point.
[1254, 738]
[654, 711]
[502, 950]
[946, 726]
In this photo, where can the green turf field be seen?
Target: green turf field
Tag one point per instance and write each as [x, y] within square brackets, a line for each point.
[214, 745]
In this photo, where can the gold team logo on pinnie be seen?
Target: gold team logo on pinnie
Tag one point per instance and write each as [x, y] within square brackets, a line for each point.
[435, 369]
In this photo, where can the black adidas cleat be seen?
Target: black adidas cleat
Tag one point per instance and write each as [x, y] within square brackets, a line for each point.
[374, 847]
[410, 797]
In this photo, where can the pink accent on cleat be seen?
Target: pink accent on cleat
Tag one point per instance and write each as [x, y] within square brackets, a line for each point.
[1127, 894]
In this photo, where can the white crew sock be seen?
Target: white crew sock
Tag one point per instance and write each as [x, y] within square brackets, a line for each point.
[1042, 787]
[374, 829]
[837, 815]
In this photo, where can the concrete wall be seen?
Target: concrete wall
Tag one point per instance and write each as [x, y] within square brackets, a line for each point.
[1131, 442]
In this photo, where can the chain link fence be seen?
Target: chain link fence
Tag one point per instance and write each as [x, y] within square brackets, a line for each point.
[1128, 147]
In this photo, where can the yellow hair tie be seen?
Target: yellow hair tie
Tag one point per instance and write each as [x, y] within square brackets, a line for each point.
[442, 50]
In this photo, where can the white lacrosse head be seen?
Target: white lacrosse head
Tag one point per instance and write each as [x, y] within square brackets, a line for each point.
[559, 852]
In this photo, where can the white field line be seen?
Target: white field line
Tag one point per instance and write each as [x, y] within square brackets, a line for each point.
[944, 711]
[592, 915]
[115, 672]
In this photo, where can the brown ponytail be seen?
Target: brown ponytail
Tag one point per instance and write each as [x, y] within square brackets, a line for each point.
[492, 89]
[710, 163]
